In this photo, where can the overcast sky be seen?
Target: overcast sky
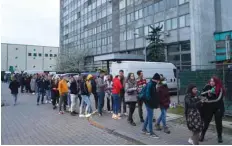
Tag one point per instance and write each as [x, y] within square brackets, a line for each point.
[34, 22]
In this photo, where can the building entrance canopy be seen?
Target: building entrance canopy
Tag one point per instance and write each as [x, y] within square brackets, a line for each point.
[119, 57]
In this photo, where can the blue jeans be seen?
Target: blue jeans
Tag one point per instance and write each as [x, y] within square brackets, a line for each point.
[101, 96]
[40, 93]
[85, 100]
[48, 94]
[162, 117]
[149, 120]
[115, 103]
[15, 98]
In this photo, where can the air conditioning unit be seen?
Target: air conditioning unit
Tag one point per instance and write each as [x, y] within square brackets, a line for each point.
[167, 33]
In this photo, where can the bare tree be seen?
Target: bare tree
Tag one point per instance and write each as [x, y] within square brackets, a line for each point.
[72, 61]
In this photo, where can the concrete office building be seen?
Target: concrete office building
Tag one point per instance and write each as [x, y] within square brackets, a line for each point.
[107, 28]
[28, 57]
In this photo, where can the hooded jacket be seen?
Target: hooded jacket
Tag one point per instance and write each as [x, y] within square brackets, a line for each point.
[88, 83]
[164, 97]
[63, 87]
[151, 93]
[117, 86]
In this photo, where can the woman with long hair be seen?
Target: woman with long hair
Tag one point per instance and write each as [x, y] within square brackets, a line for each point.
[213, 106]
[192, 113]
[108, 92]
[131, 96]
[55, 92]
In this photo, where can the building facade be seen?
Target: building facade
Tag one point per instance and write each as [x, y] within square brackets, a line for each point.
[28, 57]
[104, 27]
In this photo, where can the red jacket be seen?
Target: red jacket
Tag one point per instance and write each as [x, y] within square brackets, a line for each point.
[117, 86]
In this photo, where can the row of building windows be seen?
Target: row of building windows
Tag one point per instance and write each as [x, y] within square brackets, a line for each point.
[144, 31]
[170, 4]
[40, 55]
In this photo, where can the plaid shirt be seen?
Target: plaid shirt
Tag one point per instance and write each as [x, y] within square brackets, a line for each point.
[141, 83]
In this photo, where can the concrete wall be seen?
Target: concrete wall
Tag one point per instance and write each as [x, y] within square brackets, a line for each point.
[17, 55]
[3, 57]
[226, 15]
[202, 22]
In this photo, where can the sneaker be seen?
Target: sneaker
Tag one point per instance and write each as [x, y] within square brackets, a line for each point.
[50, 102]
[46, 101]
[157, 127]
[220, 140]
[88, 115]
[33, 93]
[154, 120]
[144, 131]
[99, 115]
[190, 141]
[81, 115]
[72, 114]
[153, 135]
[114, 116]
[111, 112]
[37, 104]
[60, 112]
[54, 107]
[132, 123]
[75, 112]
[119, 115]
[166, 130]
[125, 114]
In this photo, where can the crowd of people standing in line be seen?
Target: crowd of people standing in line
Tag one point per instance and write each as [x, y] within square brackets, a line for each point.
[123, 91]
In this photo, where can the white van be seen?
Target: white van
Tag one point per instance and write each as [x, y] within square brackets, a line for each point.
[149, 69]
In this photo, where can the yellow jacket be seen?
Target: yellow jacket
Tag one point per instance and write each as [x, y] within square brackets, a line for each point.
[62, 87]
[88, 83]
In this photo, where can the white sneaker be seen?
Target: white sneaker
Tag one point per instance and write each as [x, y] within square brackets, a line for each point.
[33, 93]
[88, 115]
[119, 115]
[81, 115]
[190, 141]
[46, 101]
[125, 114]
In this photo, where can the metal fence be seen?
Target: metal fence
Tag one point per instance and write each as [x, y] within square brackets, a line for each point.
[200, 76]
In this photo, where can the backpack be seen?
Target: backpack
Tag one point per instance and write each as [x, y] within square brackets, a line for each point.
[142, 93]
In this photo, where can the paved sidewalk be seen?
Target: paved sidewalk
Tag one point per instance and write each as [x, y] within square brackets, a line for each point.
[29, 124]
[179, 132]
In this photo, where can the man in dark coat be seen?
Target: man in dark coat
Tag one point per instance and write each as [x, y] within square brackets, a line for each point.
[14, 85]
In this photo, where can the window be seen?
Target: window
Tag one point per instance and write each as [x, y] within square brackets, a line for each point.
[171, 3]
[34, 49]
[46, 55]
[122, 20]
[35, 54]
[55, 55]
[51, 55]
[185, 46]
[136, 15]
[137, 33]
[185, 57]
[29, 54]
[174, 23]
[122, 4]
[187, 20]
[146, 31]
[109, 25]
[16, 48]
[40, 54]
[150, 9]
[128, 18]
[16, 66]
[141, 13]
[168, 24]
[173, 58]
[182, 21]
[16, 57]
[173, 49]
[50, 66]
[34, 66]
[50, 50]
[161, 5]
[183, 1]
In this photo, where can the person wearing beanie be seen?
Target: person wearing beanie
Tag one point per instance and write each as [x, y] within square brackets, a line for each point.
[151, 102]
[14, 86]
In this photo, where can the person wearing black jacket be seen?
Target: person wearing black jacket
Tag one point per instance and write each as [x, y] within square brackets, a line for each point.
[48, 90]
[193, 116]
[22, 82]
[74, 95]
[85, 98]
[14, 85]
[151, 102]
[55, 92]
[41, 89]
[214, 106]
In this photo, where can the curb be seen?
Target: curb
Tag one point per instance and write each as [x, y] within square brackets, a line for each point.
[113, 132]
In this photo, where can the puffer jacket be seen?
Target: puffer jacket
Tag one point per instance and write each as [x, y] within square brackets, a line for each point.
[164, 96]
[117, 86]
[131, 91]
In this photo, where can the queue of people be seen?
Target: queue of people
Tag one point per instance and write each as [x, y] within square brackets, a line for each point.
[127, 92]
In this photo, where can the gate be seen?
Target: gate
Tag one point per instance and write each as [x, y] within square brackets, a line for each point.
[228, 86]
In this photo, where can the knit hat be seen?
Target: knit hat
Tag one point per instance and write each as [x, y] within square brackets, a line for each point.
[156, 76]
